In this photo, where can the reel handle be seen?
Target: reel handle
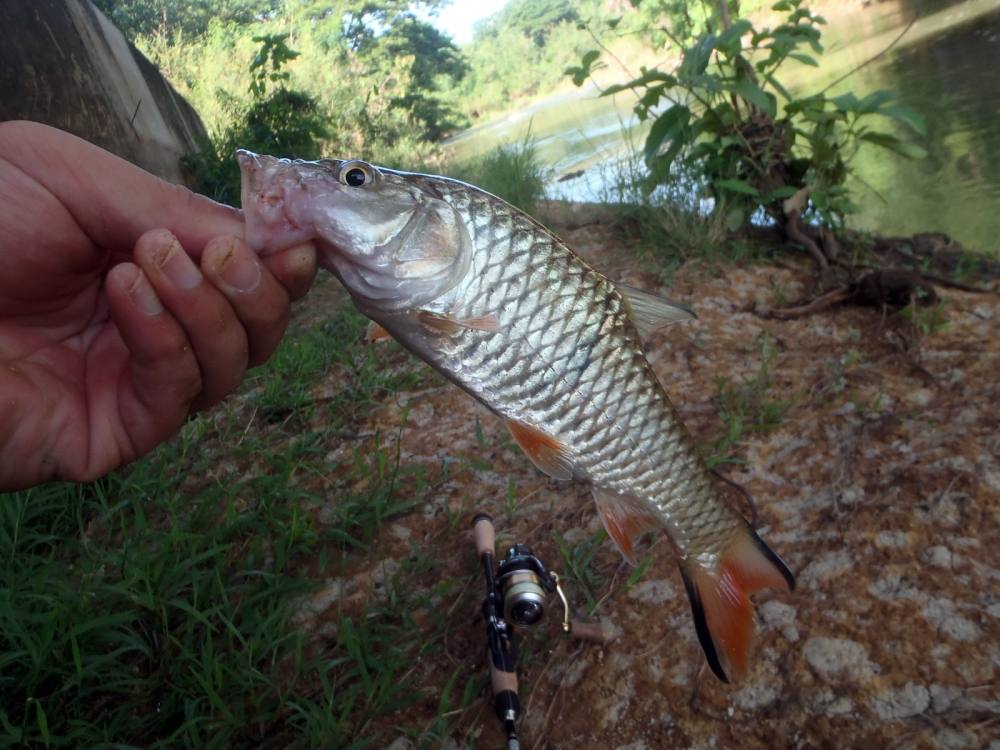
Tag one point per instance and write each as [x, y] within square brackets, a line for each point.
[588, 631]
[484, 534]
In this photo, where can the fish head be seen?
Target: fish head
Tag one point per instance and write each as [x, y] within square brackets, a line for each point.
[390, 236]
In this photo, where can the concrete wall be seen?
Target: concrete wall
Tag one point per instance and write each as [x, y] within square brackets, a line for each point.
[63, 63]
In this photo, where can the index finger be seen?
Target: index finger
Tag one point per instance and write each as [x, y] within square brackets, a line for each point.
[113, 201]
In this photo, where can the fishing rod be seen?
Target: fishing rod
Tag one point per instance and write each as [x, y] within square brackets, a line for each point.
[516, 590]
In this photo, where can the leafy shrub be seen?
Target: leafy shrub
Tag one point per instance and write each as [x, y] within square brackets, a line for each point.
[284, 122]
[731, 121]
[512, 172]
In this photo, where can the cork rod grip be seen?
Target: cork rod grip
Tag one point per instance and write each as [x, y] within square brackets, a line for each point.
[484, 533]
[500, 680]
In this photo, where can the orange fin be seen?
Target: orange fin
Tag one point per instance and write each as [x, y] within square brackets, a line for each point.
[374, 333]
[720, 600]
[449, 325]
[625, 518]
[545, 451]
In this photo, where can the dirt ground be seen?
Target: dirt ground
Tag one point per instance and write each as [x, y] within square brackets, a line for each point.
[880, 488]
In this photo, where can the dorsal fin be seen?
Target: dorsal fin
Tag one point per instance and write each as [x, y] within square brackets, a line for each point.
[443, 323]
[545, 451]
[625, 518]
[650, 311]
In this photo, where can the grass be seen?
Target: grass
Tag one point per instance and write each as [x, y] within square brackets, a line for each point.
[512, 172]
[926, 320]
[748, 406]
[160, 606]
[578, 565]
[133, 614]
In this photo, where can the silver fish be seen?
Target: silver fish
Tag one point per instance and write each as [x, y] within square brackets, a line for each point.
[500, 306]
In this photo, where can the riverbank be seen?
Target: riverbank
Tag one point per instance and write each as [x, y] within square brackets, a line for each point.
[867, 443]
[296, 569]
[935, 70]
[625, 57]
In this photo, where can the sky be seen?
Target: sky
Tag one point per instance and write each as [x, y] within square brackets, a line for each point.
[457, 18]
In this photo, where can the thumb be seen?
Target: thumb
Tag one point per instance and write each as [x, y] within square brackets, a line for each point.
[163, 378]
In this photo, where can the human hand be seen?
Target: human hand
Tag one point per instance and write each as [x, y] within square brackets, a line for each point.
[126, 302]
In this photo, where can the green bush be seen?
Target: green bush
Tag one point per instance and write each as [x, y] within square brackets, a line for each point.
[512, 172]
[284, 122]
[730, 120]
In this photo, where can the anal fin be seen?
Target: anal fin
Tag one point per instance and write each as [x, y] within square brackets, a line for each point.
[625, 518]
[720, 599]
[545, 451]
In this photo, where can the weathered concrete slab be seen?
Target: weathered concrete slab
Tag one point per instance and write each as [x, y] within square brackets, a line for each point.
[63, 63]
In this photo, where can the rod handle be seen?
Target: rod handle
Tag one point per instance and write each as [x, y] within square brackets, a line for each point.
[502, 682]
[484, 534]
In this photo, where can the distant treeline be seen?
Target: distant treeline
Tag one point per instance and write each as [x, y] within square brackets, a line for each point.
[384, 79]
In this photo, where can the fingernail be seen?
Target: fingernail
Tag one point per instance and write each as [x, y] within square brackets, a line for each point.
[178, 267]
[241, 270]
[142, 294]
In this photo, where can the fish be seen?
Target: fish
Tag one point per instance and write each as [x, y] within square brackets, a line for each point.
[502, 307]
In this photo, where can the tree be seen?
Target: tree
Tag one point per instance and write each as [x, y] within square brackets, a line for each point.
[189, 17]
[434, 63]
[532, 18]
[401, 63]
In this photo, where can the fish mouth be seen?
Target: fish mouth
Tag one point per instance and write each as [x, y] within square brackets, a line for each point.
[251, 164]
[267, 227]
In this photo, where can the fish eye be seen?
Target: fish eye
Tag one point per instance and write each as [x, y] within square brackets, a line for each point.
[356, 174]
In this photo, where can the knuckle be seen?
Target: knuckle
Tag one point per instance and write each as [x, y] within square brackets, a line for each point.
[188, 381]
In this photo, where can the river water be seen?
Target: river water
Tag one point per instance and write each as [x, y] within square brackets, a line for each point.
[946, 68]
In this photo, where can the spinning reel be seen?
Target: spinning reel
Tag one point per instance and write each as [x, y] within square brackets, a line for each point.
[516, 591]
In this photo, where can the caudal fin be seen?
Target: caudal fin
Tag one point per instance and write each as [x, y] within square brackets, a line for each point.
[720, 600]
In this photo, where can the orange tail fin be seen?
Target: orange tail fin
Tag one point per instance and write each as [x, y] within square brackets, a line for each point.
[720, 600]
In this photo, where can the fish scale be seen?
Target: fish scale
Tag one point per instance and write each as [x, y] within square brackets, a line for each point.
[629, 441]
[500, 306]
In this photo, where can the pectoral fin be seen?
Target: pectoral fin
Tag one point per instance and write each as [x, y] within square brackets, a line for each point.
[545, 451]
[650, 311]
[625, 518]
[375, 333]
[447, 324]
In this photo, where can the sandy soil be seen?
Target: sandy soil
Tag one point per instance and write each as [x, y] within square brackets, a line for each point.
[880, 488]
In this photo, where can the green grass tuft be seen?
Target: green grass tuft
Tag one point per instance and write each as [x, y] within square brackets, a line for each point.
[512, 172]
[160, 607]
[748, 406]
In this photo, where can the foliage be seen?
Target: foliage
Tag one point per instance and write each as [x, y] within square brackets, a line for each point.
[730, 120]
[512, 172]
[275, 51]
[521, 52]
[351, 79]
[536, 18]
[181, 17]
[430, 64]
[285, 122]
